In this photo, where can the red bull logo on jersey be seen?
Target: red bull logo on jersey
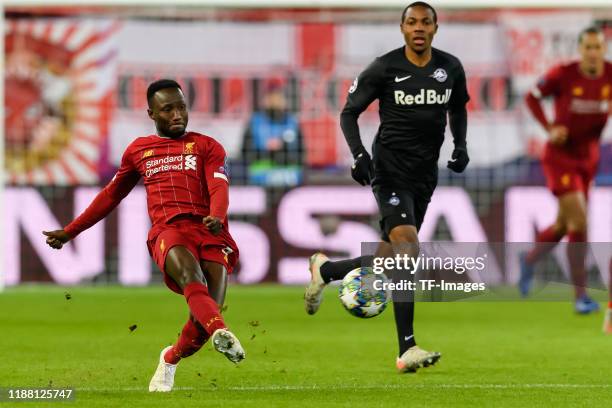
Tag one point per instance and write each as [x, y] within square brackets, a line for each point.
[424, 97]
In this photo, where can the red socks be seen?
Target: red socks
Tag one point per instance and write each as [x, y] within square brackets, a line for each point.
[574, 236]
[190, 341]
[576, 256]
[203, 307]
[545, 242]
[206, 312]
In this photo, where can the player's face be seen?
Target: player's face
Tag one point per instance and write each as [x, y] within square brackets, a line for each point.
[169, 112]
[592, 49]
[419, 28]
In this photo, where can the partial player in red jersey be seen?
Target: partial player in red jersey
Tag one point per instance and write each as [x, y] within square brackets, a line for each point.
[582, 92]
[187, 186]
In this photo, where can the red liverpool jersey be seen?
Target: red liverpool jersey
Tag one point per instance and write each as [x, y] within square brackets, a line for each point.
[187, 175]
[581, 104]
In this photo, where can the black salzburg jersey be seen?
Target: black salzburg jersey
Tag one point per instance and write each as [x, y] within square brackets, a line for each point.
[413, 104]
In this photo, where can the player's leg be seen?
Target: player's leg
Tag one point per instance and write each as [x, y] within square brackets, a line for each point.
[193, 336]
[183, 268]
[559, 181]
[216, 277]
[404, 241]
[173, 254]
[324, 271]
[223, 340]
[545, 241]
[574, 207]
[176, 255]
[402, 214]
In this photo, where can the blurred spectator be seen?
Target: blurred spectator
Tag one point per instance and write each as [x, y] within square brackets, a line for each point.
[272, 145]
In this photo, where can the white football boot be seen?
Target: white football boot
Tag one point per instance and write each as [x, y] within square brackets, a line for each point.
[227, 344]
[163, 379]
[313, 296]
[416, 357]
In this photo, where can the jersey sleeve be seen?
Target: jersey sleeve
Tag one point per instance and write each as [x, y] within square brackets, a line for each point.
[215, 171]
[459, 96]
[124, 181]
[549, 84]
[364, 90]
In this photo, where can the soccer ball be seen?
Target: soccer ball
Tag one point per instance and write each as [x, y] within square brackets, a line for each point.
[358, 295]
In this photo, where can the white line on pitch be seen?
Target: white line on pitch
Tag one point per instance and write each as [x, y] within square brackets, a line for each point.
[352, 387]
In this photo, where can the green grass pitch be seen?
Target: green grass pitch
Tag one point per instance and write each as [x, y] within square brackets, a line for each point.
[493, 354]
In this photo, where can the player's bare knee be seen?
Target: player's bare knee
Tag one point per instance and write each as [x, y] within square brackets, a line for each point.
[403, 235]
[577, 220]
[577, 224]
[404, 239]
[191, 274]
[186, 272]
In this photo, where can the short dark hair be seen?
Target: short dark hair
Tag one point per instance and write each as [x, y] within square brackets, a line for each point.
[589, 30]
[420, 4]
[160, 84]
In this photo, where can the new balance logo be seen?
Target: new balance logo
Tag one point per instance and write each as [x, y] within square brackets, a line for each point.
[424, 97]
[402, 78]
[190, 162]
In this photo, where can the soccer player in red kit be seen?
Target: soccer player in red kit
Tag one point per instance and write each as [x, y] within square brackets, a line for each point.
[185, 177]
[582, 93]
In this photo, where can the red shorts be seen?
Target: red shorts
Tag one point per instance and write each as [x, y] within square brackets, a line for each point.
[203, 245]
[565, 174]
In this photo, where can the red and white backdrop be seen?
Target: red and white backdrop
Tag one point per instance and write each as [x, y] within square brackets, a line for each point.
[60, 76]
[75, 98]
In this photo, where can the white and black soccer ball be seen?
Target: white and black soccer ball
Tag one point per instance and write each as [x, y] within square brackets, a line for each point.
[359, 296]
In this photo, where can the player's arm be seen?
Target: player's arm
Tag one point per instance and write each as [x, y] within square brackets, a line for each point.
[215, 171]
[549, 85]
[124, 181]
[457, 119]
[362, 93]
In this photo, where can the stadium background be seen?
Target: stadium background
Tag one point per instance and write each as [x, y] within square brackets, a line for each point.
[75, 80]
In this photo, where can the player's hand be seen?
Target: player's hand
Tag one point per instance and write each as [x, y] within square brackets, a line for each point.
[460, 160]
[558, 134]
[213, 224]
[362, 169]
[56, 239]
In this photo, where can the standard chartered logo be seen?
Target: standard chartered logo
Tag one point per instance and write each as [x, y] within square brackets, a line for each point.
[190, 162]
[424, 97]
[171, 163]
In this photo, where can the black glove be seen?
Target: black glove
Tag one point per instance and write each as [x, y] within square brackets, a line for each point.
[362, 169]
[460, 160]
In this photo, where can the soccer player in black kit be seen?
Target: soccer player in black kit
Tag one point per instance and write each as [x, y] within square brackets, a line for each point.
[417, 87]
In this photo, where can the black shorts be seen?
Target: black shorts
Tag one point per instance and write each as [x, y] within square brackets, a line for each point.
[399, 207]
